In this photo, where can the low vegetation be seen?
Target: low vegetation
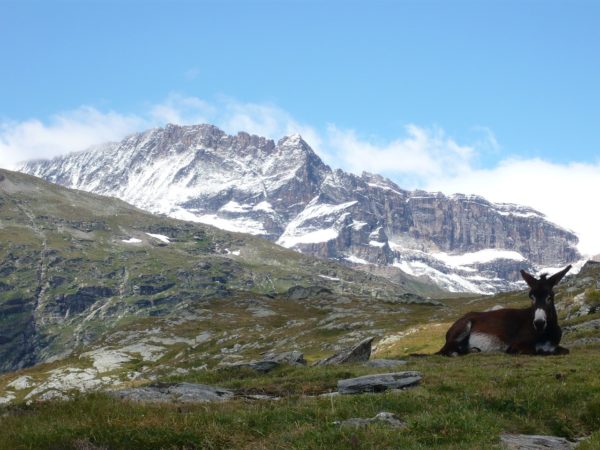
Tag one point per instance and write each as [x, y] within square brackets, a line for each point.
[461, 403]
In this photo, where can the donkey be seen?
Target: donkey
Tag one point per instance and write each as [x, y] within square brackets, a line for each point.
[530, 331]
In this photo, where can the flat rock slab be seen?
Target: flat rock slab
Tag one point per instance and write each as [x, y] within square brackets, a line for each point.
[260, 366]
[385, 363]
[359, 353]
[182, 392]
[383, 417]
[535, 442]
[271, 361]
[294, 357]
[379, 382]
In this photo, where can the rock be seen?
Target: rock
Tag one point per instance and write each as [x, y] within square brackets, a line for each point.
[295, 358]
[589, 325]
[360, 353]
[385, 363]
[260, 366]
[301, 292]
[534, 442]
[183, 392]
[379, 382]
[382, 417]
[273, 360]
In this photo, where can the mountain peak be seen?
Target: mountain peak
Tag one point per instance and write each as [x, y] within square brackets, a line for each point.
[247, 183]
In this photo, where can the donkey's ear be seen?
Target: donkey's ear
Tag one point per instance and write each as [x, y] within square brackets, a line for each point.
[554, 279]
[529, 279]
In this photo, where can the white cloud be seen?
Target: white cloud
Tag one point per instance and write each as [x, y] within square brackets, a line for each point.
[421, 154]
[63, 133]
[566, 193]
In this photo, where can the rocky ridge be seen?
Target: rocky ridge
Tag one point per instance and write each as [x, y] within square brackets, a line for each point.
[283, 191]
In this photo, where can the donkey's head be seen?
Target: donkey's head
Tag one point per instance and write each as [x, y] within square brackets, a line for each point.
[541, 294]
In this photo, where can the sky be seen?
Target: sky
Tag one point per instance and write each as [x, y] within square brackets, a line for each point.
[496, 98]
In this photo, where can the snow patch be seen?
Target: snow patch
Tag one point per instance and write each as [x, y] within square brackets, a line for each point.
[313, 237]
[329, 278]
[479, 257]
[160, 237]
[356, 260]
[235, 207]
[131, 240]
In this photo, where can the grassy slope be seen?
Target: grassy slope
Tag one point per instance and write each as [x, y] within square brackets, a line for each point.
[462, 403]
[54, 242]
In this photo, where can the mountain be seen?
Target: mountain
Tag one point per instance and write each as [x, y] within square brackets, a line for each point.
[75, 267]
[283, 191]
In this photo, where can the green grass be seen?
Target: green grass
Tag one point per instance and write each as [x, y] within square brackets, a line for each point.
[462, 403]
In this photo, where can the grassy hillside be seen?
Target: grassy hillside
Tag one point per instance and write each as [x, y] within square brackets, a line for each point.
[462, 403]
[75, 267]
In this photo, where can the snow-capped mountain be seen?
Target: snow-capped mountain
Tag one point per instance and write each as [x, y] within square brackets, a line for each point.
[284, 192]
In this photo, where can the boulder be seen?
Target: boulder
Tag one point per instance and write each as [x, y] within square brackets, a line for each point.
[260, 366]
[379, 382]
[535, 442]
[294, 358]
[273, 360]
[182, 392]
[383, 417]
[302, 293]
[360, 353]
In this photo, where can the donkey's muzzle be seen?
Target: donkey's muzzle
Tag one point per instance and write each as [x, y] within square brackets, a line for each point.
[539, 325]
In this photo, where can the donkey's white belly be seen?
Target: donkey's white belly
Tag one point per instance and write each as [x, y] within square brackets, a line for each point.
[486, 343]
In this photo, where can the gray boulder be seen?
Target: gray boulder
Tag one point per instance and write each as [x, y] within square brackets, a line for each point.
[535, 442]
[263, 366]
[294, 358]
[360, 353]
[383, 417]
[272, 360]
[182, 392]
[379, 382]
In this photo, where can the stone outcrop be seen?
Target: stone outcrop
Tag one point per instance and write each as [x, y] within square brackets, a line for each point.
[535, 442]
[379, 382]
[182, 393]
[359, 353]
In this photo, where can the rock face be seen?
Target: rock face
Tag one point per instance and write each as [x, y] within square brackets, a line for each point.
[378, 383]
[284, 192]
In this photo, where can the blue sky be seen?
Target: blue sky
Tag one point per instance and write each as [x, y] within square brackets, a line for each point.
[489, 83]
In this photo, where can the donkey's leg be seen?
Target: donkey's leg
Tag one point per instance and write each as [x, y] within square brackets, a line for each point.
[560, 350]
[519, 348]
[457, 339]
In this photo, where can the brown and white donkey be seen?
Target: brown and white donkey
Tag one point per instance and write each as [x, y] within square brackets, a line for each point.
[532, 331]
